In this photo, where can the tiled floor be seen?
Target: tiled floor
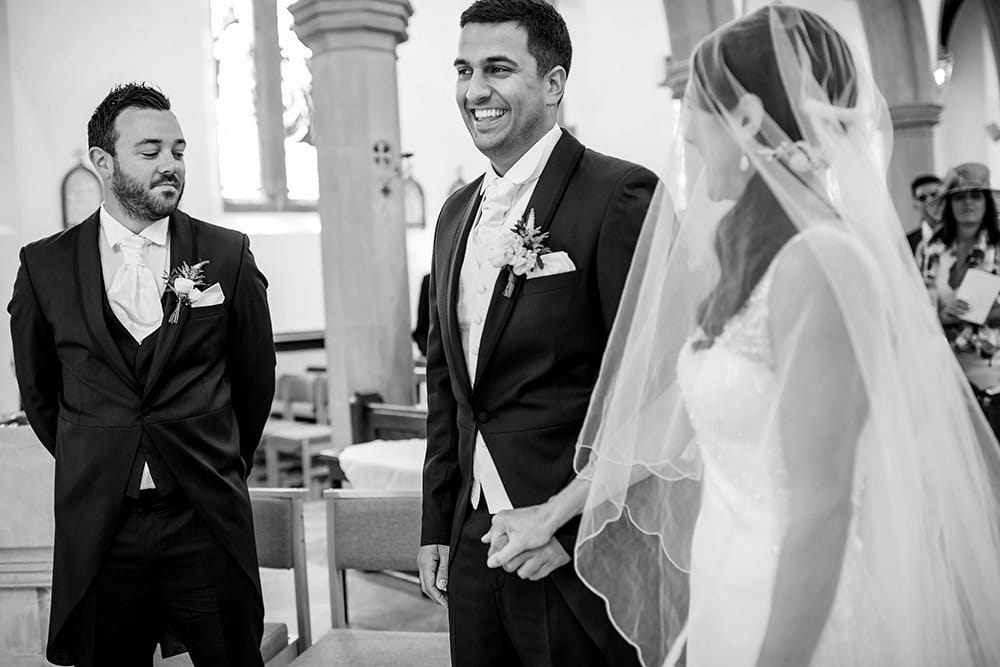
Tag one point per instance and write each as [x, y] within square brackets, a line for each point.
[374, 601]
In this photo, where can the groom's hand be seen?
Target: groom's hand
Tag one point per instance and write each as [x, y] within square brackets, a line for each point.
[432, 562]
[518, 531]
[533, 564]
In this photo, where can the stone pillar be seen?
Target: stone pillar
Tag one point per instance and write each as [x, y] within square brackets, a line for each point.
[356, 124]
[912, 152]
[687, 23]
[10, 220]
[901, 64]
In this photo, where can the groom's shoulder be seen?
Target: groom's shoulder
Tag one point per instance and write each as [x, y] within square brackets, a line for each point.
[53, 245]
[611, 169]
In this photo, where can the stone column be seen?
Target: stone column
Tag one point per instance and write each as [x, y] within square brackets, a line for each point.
[356, 125]
[912, 151]
[901, 64]
[688, 22]
[10, 222]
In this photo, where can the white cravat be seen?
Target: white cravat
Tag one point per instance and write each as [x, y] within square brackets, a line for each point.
[479, 272]
[505, 199]
[133, 295]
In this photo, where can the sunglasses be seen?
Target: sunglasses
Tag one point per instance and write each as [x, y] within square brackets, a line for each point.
[924, 197]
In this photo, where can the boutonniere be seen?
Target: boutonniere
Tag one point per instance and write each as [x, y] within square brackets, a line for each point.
[520, 251]
[184, 281]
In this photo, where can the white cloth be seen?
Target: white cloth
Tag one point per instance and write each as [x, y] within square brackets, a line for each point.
[504, 201]
[388, 465]
[134, 289]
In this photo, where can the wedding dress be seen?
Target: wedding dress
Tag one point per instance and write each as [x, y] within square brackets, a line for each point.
[728, 390]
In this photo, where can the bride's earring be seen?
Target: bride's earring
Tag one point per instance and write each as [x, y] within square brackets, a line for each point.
[744, 163]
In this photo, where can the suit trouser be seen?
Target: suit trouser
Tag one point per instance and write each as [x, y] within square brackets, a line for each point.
[496, 618]
[166, 569]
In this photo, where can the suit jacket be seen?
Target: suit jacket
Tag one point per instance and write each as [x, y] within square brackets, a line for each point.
[541, 348]
[203, 406]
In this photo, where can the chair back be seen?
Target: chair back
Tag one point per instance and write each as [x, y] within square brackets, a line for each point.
[302, 396]
[279, 528]
[369, 530]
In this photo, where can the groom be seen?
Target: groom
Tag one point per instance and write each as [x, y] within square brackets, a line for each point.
[151, 394]
[512, 358]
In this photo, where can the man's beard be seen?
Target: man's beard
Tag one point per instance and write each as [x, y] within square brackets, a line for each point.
[138, 201]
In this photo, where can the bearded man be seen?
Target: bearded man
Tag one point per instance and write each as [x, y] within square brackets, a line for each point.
[145, 359]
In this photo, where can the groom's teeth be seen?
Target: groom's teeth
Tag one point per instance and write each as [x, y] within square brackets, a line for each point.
[486, 114]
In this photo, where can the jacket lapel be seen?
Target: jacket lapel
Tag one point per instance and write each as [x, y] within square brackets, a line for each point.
[183, 248]
[544, 201]
[90, 282]
[451, 331]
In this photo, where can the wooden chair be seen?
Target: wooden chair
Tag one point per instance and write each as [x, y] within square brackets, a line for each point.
[290, 438]
[372, 531]
[279, 528]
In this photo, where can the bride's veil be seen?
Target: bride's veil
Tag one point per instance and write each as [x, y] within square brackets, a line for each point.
[863, 377]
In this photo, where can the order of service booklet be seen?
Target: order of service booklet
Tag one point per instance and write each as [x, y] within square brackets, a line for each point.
[979, 289]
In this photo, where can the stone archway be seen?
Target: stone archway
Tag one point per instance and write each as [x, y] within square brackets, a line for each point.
[949, 10]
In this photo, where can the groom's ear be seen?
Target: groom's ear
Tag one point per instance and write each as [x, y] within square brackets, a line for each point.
[555, 85]
[103, 162]
[749, 115]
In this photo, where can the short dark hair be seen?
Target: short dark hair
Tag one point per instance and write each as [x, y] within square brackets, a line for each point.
[548, 37]
[923, 179]
[101, 130]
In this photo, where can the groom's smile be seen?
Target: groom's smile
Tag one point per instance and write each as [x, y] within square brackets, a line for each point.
[506, 104]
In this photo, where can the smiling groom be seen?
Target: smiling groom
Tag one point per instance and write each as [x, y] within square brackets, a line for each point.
[151, 396]
[512, 357]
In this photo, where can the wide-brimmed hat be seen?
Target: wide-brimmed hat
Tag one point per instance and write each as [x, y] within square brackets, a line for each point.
[968, 177]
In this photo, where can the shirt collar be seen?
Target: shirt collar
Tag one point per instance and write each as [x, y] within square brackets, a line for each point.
[115, 231]
[530, 166]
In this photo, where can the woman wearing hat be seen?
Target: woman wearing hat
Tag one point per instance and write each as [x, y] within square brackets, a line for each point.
[968, 236]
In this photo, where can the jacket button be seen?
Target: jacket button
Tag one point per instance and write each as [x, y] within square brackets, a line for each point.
[483, 417]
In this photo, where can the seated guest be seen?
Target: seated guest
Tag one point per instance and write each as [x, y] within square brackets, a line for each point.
[923, 188]
[968, 237]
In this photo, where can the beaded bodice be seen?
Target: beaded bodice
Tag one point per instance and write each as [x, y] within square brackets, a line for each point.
[729, 391]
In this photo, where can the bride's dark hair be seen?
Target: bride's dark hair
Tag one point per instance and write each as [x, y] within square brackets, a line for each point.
[756, 227]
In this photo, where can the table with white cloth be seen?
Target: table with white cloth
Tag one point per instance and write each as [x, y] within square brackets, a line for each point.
[390, 465]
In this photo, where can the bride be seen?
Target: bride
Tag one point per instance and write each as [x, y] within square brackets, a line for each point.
[782, 463]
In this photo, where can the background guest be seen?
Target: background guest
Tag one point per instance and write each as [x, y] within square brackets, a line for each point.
[923, 188]
[968, 237]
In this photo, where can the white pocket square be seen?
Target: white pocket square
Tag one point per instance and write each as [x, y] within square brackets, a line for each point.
[213, 296]
[553, 263]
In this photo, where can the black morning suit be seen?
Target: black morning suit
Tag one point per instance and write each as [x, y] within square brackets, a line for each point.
[191, 401]
[539, 357]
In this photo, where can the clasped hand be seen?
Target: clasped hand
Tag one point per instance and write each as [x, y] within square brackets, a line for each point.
[521, 542]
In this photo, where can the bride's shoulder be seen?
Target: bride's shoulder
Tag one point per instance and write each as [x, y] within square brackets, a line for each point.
[818, 262]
